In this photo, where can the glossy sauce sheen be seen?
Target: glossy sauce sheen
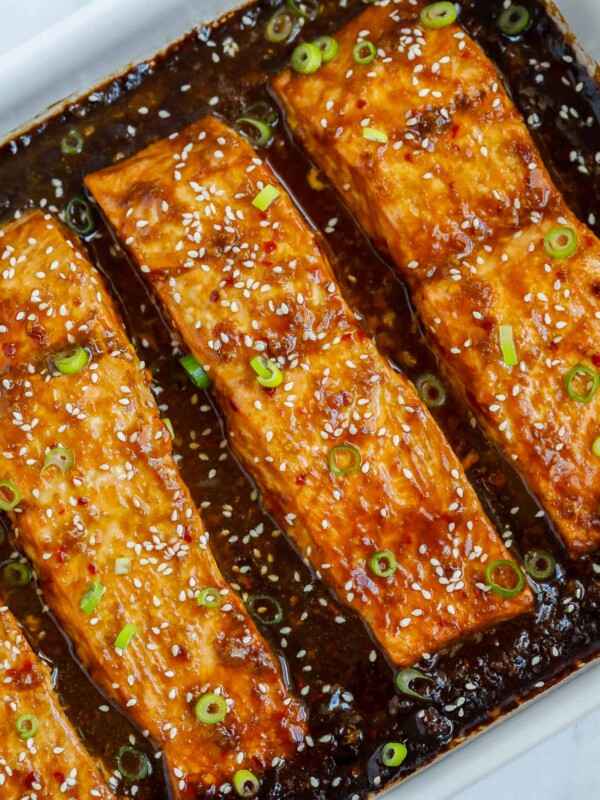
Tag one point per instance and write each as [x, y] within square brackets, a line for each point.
[345, 683]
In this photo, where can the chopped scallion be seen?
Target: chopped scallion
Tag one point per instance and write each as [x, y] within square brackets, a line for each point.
[72, 361]
[209, 598]
[169, 426]
[328, 46]
[596, 447]
[72, 143]
[507, 345]
[124, 638]
[502, 589]
[561, 242]
[211, 709]
[405, 678]
[79, 216]
[344, 459]
[245, 783]
[375, 135]
[306, 59]
[265, 609]
[268, 373]
[16, 573]
[431, 390]
[255, 131]
[383, 564]
[197, 373]
[122, 566]
[133, 764]
[514, 20]
[10, 495]
[438, 15]
[393, 754]
[540, 564]
[27, 726]
[306, 9]
[282, 26]
[92, 597]
[266, 197]
[577, 375]
[364, 52]
[59, 457]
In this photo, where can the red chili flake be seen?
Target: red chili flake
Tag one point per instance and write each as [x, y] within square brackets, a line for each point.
[92, 569]
[82, 501]
[361, 103]
[61, 556]
[596, 360]
[59, 776]
[9, 349]
[31, 778]
[214, 296]
[454, 131]
[187, 535]
[270, 247]
[301, 478]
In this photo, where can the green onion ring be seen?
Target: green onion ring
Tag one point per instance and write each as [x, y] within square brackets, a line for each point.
[263, 111]
[438, 15]
[60, 457]
[245, 783]
[266, 197]
[169, 426]
[578, 371]
[122, 566]
[328, 46]
[561, 242]
[260, 133]
[406, 676]
[10, 495]
[144, 765]
[596, 447]
[389, 564]
[514, 20]
[540, 564]
[92, 597]
[431, 390]
[16, 574]
[504, 591]
[360, 56]
[268, 373]
[209, 598]
[259, 604]
[393, 754]
[27, 726]
[72, 361]
[306, 59]
[349, 456]
[211, 709]
[72, 143]
[306, 9]
[124, 638]
[79, 216]
[197, 374]
[282, 26]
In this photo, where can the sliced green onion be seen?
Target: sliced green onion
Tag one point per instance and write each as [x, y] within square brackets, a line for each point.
[197, 374]
[328, 46]
[507, 345]
[92, 597]
[561, 242]
[438, 15]
[393, 754]
[123, 640]
[245, 783]
[514, 20]
[169, 426]
[16, 573]
[27, 726]
[540, 564]
[591, 386]
[364, 52]
[211, 709]
[266, 197]
[383, 564]
[596, 447]
[122, 566]
[306, 9]
[281, 26]
[306, 59]
[10, 495]
[209, 598]
[268, 373]
[59, 457]
[265, 609]
[500, 589]
[375, 135]
[344, 459]
[79, 216]
[263, 111]
[72, 361]
[255, 131]
[431, 390]
[404, 679]
[72, 143]
[125, 756]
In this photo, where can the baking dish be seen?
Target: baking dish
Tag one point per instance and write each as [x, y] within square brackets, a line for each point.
[114, 37]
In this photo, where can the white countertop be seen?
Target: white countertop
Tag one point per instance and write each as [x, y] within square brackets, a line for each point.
[562, 768]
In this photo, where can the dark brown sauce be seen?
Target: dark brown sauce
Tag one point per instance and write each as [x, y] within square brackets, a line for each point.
[352, 703]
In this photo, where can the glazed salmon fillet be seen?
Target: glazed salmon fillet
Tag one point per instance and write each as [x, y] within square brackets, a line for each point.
[41, 756]
[101, 511]
[437, 165]
[346, 456]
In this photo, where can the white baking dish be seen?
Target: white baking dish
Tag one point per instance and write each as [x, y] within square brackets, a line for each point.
[102, 39]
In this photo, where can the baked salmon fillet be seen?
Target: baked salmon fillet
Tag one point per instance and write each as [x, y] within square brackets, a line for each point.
[41, 756]
[437, 165]
[99, 507]
[346, 457]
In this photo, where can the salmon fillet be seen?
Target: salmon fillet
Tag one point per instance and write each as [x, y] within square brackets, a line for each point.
[449, 184]
[346, 456]
[119, 522]
[51, 762]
